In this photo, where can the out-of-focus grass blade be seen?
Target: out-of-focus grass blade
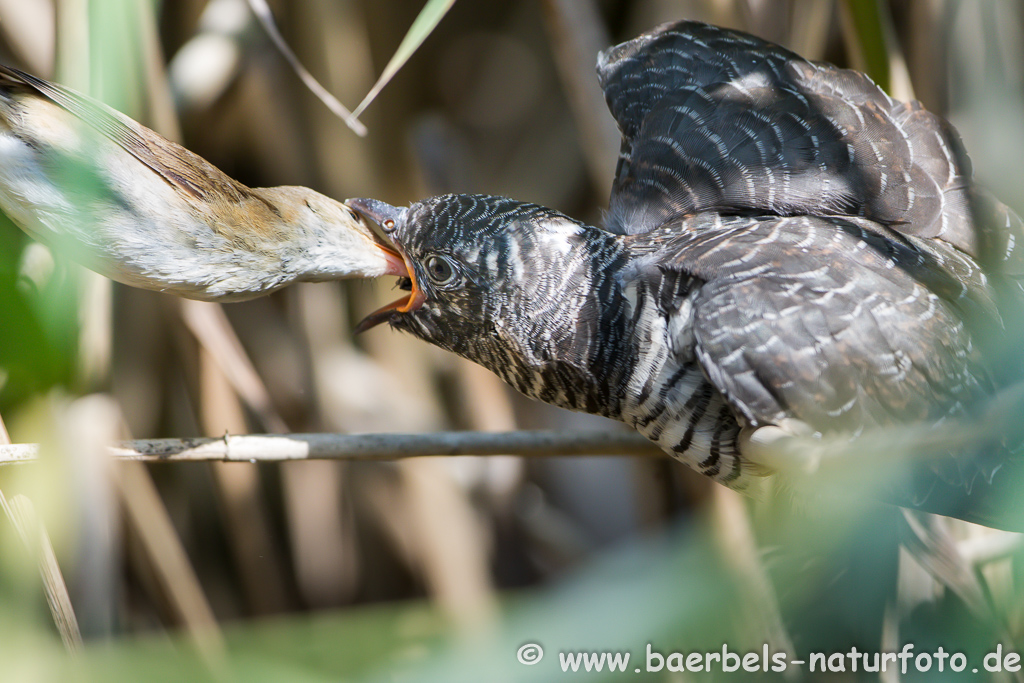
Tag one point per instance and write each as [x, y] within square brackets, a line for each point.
[429, 17]
[871, 36]
[266, 19]
[868, 39]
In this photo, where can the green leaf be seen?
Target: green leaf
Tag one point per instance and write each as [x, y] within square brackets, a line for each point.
[429, 17]
[869, 29]
[38, 332]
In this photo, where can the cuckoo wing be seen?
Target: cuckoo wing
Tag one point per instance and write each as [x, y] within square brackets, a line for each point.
[845, 327]
[714, 119]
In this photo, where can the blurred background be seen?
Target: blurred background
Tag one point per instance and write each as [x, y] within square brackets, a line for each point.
[429, 568]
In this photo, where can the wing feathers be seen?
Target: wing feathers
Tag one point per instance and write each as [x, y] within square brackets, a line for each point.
[716, 120]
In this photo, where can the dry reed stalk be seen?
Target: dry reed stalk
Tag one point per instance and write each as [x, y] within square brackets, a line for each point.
[737, 544]
[366, 447]
[238, 487]
[576, 36]
[170, 565]
[22, 515]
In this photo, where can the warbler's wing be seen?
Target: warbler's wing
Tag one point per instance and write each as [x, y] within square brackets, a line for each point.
[179, 167]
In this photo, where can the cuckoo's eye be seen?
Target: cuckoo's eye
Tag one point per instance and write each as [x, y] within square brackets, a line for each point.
[441, 270]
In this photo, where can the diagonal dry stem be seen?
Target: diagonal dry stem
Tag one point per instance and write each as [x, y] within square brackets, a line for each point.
[22, 515]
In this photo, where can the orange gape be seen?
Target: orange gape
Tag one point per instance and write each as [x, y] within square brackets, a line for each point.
[791, 258]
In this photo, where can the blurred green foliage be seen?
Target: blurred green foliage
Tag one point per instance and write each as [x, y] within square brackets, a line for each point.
[38, 327]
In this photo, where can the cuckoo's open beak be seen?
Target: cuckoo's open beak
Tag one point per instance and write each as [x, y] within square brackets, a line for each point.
[388, 218]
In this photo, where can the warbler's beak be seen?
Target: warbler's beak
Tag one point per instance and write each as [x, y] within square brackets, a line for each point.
[395, 263]
[388, 218]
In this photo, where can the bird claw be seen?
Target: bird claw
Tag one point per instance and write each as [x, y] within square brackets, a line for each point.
[790, 446]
